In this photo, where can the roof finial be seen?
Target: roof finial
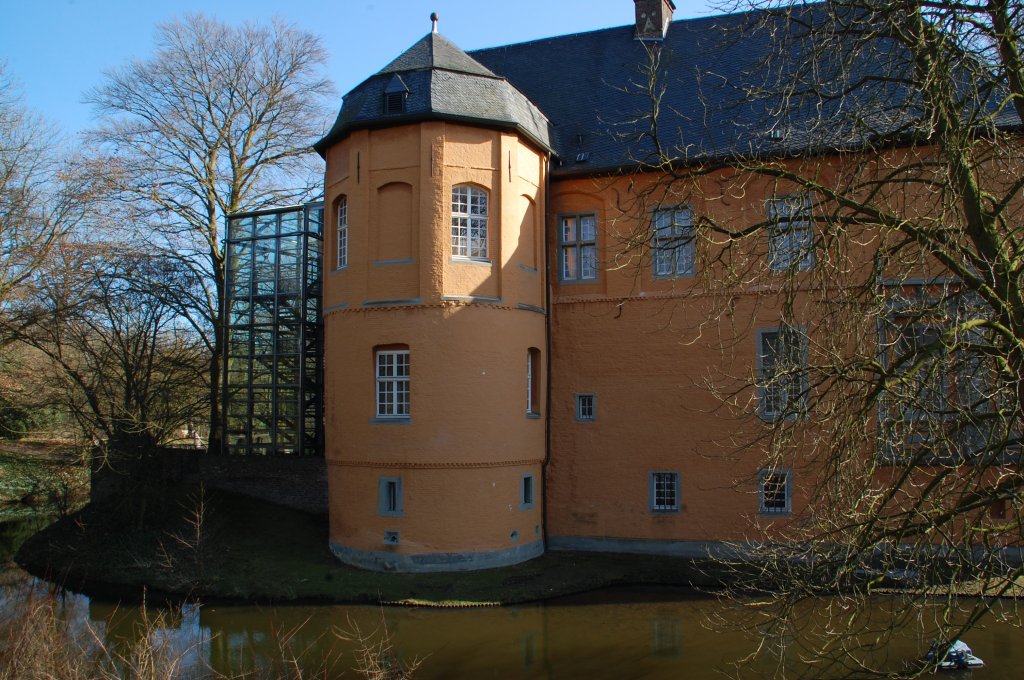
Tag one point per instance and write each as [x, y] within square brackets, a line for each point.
[433, 22]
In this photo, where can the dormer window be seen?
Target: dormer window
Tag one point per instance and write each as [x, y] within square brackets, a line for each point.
[395, 95]
[394, 102]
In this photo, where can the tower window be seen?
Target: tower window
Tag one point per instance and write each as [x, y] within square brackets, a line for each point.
[342, 254]
[469, 222]
[533, 382]
[392, 383]
[389, 497]
[527, 493]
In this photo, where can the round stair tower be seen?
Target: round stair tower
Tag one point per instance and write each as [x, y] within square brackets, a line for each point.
[434, 317]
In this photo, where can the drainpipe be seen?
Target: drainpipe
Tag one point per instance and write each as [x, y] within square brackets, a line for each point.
[547, 352]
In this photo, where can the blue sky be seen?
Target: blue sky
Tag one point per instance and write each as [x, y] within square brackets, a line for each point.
[59, 49]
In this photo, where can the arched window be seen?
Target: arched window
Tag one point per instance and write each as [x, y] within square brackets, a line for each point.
[342, 256]
[469, 222]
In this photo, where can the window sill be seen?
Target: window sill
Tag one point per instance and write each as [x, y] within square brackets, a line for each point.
[396, 420]
[665, 512]
[533, 416]
[480, 261]
[772, 514]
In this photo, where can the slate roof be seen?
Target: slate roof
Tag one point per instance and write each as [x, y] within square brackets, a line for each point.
[742, 84]
[442, 83]
[727, 93]
[599, 105]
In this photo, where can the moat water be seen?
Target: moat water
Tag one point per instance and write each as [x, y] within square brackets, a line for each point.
[621, 633]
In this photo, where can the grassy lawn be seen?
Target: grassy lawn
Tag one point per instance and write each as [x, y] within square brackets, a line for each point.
[34, 478]
[252, 550]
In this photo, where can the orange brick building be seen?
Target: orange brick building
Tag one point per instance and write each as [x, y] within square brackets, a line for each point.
[504, 374]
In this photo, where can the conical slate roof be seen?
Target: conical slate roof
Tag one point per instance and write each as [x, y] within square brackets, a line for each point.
[435, 80]
[434, 51]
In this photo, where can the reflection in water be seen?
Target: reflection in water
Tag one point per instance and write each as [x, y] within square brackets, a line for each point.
[617, 634]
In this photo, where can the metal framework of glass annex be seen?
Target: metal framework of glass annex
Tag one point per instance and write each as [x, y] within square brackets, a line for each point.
[273, 357]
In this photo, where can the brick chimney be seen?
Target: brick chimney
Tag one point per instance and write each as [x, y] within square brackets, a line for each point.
[652, 18]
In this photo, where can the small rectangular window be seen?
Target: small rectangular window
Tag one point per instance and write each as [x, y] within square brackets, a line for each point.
[664, 491]
[775, 492]
[526, 500]
[672, 242]
[392, 383]
[577, 238]
[586, 407]
[790, 233]
[389, 499]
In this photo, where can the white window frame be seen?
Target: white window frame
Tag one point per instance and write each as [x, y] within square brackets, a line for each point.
[659, 484]
[672, 243]
[392, 370]
[790, 232]
[341, 255]
[768, 498]
[577, 247]
[782, 389]
[469, 222]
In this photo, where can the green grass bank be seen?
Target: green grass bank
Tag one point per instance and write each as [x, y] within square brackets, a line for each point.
[222, 546]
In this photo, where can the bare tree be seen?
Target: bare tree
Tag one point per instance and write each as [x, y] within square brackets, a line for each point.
[119, 359]
[888, 134]
[219, 120]
[40, 200]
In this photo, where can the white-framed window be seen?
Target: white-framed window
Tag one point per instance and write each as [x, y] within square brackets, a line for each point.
[389, 497]
[392, 367]
[672, 242]
[469, 222]
[790, 232]
[782, 371]
[533, 382]
[586, 407]
[664, 491]
[527, 492]
[341, 259]
[775, 492]
[577, 247]
[920, 397]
